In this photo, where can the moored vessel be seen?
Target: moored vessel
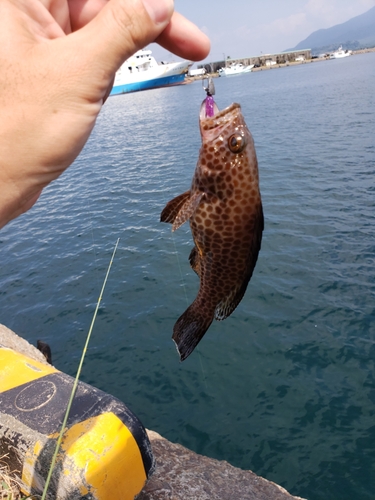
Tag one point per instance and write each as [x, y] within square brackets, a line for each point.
[235, 69]
[141, 72]
[340, 53]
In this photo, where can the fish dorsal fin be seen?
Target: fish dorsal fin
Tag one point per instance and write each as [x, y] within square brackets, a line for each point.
[195, 261]
[180, 209]
[231, 301]
[172, 208]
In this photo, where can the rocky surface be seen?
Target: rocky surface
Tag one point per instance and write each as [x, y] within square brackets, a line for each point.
[180, 473]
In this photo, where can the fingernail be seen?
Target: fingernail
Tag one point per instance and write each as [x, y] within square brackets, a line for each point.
[159, 10]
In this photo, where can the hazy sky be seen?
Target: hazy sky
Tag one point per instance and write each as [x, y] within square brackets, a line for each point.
[240, 28]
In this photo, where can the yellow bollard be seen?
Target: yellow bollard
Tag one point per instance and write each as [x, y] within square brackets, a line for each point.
[105, 452]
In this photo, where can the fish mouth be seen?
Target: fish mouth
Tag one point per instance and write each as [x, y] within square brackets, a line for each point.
[211, 114]
[212, 127]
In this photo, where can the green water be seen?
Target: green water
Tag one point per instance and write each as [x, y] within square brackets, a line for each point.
[285, 386]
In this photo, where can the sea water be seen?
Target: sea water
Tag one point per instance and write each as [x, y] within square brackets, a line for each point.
[285, 386]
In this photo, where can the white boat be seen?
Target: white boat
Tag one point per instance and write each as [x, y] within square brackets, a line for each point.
[339, 53]
[235, 69]
[142, 72]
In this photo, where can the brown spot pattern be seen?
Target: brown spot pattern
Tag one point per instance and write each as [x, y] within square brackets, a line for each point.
[226, 226]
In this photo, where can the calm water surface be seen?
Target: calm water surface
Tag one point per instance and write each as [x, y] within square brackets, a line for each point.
[285, 386]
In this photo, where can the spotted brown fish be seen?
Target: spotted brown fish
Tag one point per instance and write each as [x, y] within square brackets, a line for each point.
[226, 218]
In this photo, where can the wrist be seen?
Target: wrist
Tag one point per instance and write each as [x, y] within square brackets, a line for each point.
[15, 199]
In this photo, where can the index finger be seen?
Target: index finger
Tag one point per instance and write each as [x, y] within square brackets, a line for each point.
[184, 39]
[181, 36]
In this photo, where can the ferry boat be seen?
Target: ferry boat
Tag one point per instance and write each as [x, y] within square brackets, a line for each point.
[142, 72]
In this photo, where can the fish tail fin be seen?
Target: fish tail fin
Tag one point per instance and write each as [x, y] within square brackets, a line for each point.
[190, 328]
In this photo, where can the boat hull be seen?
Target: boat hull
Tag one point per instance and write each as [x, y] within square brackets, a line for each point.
[152, 83]
[235, 73]
[235, 70]
[340, 56]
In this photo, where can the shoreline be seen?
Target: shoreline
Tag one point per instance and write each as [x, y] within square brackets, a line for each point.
[191, 79]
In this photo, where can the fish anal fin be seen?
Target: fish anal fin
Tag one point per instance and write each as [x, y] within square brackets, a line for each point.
[187, 210]
[173, 207]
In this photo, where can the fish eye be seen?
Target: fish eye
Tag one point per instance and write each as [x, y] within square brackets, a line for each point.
[236, 143]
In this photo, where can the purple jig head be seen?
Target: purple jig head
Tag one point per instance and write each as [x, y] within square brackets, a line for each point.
[209, 108]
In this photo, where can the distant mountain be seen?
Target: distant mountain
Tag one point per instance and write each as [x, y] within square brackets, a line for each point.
[358, 32]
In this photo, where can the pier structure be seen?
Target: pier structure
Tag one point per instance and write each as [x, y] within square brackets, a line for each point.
[260, 60]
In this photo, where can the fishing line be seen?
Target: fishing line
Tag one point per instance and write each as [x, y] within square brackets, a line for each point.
[183, 281]
[91, 227]
[76, 380]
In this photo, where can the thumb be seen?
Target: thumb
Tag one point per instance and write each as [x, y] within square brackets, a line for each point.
[120, 29]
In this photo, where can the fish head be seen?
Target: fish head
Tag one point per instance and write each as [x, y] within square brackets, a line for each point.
[226, 140]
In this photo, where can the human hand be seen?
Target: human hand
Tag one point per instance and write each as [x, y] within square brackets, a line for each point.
[58, 59]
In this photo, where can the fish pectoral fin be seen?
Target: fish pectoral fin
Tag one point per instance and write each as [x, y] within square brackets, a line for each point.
[195, 261]
[173, 207]
[180, 209]
[187, 210]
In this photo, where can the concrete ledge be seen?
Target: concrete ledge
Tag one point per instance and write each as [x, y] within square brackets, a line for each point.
[11, 340]
[180, 473]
